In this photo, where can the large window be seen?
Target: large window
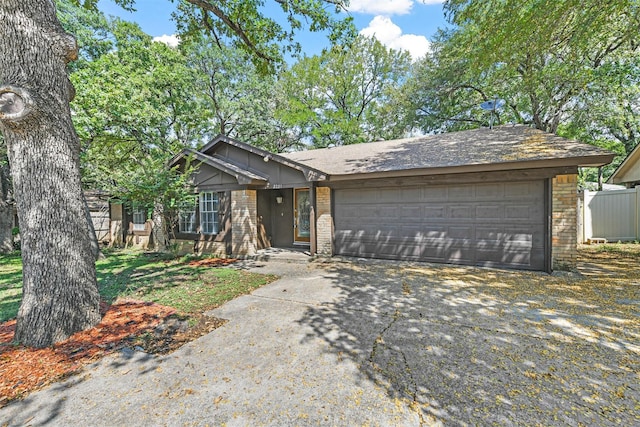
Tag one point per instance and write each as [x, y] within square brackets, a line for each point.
[187, 222]
[139, 218]
[209, 206]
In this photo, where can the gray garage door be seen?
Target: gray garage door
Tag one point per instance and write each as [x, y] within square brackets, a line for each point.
[489, 224]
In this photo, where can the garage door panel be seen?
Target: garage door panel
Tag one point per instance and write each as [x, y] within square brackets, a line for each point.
[519, 212]
[434, 194]
[461, 255]
[411, 213]
[524, 190]
[489, 191]
[389, 196]
[369, 246]
[461, 192]
[491, 256]
[412, 193]
[492, 224]
[521, 259]
[461, 211]
[456, 232]
[534, 240]
[388, 212]
[489, 212]
[435, 212]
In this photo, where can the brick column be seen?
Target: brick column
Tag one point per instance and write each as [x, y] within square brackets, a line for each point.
[324, 221]
[564, 221]
[244, 222]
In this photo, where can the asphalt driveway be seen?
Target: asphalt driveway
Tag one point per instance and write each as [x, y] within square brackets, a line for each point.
[375, 343]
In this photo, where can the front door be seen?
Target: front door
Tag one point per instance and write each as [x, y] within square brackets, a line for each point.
[301, 215]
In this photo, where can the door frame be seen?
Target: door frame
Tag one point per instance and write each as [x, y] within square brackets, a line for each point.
[298, 239]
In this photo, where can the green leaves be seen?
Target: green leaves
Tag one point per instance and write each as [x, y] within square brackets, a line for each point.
[564, 67]
[347, 95]
[249, 25]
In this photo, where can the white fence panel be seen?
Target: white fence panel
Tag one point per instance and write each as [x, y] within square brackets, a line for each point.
[611, 215]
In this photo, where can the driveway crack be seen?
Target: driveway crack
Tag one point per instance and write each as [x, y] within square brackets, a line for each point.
[411, 389]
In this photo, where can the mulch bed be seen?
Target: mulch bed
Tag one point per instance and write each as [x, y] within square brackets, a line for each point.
[141, 325]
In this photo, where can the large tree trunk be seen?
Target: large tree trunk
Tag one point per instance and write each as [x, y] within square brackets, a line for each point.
[6, 227]
[6, 213]
[60, 294]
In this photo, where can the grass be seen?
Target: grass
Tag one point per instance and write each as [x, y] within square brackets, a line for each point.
[164, 279]
[10, 285]
[627, 250]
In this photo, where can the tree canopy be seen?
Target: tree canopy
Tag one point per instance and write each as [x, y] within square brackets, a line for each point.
[348, 94]
[249, 24]
[563, 67]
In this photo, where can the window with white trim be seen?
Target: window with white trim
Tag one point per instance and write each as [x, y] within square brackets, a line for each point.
[209, 207]
[139, 218]
[187, 222]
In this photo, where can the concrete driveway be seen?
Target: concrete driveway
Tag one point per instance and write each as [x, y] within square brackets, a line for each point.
[377, 343]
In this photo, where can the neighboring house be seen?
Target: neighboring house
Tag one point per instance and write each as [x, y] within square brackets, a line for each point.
[129, 226]
[628, 173]
[116, 224]
[503, 197]
[613, 215]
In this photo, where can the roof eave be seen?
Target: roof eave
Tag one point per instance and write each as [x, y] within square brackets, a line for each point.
[585, 161]
[249, 178]
[311, 174]
[626, 164]
[175, 159]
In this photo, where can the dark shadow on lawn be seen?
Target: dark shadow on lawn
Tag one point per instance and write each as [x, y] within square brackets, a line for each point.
[480, 346]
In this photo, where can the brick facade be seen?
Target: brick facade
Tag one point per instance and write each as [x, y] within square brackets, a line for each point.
[564, 221]
[244, 222]
[324, 222]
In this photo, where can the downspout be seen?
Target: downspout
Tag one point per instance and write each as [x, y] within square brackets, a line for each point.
[548, 241]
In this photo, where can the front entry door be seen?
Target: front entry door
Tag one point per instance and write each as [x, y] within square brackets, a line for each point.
[301, 215]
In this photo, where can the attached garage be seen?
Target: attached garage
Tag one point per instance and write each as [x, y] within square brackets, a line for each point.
[502, 224]
[501, 197]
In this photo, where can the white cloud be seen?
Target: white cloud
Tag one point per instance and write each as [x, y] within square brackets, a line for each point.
[390, 35]
[171, 40]
[381, 7]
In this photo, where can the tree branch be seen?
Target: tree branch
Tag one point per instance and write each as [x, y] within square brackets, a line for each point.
[234, 26]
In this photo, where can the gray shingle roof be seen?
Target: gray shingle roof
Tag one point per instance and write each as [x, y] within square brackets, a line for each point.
[505, 145]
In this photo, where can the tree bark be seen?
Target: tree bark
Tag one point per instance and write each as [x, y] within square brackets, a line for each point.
[6, 213]
[60, 293]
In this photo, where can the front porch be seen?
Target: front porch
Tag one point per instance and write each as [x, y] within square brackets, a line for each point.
[281, 218]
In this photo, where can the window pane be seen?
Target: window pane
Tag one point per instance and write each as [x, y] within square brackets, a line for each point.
[209, 206]
[139, 217]
[187, 217]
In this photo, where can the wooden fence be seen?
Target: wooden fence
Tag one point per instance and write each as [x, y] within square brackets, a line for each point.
[98, 204]
[611, 215]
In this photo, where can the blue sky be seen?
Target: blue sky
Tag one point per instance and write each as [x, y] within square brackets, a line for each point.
[399, 24]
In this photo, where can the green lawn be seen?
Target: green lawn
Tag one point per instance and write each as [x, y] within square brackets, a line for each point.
[160, 278]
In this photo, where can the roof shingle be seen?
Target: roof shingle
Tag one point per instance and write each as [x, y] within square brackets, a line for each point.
[505, 144]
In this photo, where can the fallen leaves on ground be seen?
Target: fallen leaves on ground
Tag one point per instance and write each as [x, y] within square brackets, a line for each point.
[151, 327]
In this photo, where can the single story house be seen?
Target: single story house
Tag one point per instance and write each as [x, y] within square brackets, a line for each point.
[628, 173]
[501, 197]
